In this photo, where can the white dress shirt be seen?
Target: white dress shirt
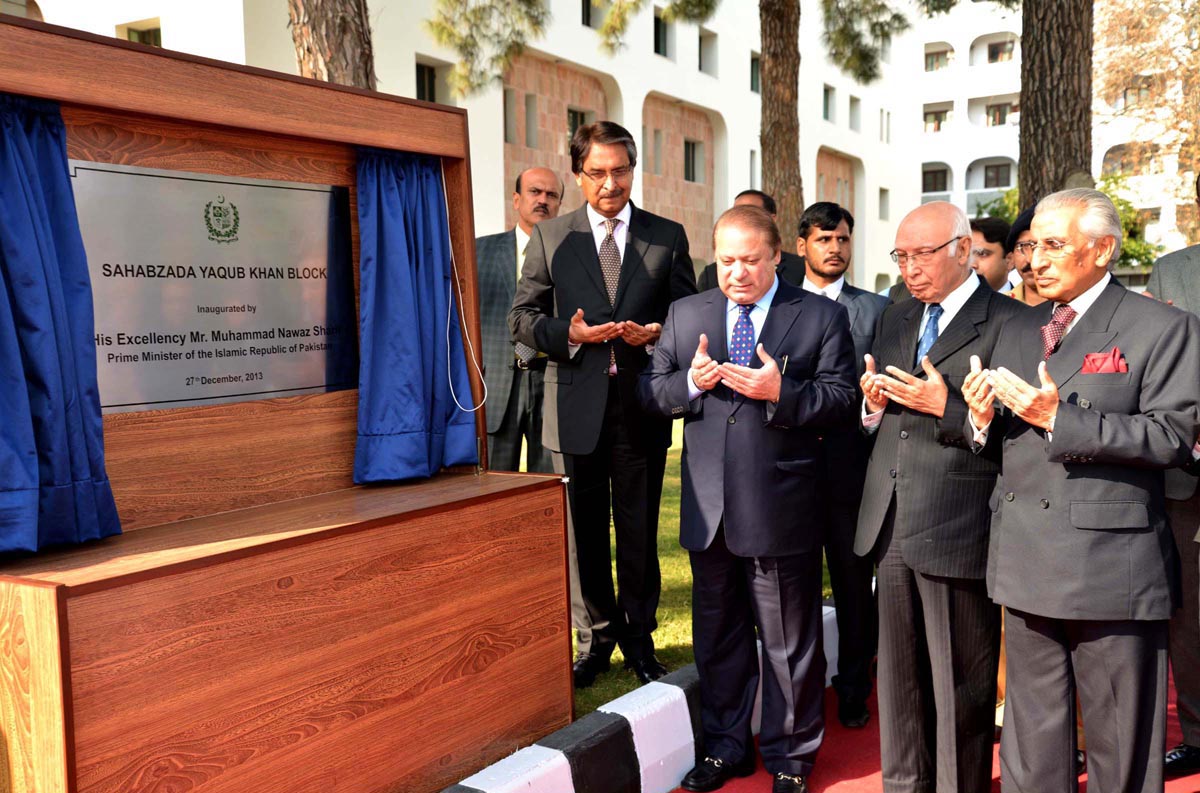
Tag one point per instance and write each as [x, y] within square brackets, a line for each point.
[758, 318]
[833, 291]
[522, 244]
[599, 231]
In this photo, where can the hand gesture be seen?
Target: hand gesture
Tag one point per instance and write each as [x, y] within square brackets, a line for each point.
[923, 396]
[762, 383]
[637, 335]
[582, 333]
[1036, 406]
[978, 394]
[705, 371]
[871, 387]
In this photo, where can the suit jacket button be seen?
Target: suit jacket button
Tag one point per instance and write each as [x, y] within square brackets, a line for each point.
[903, 435]
[1085, 403]
[1045, 504]
[732, 420]
[892, 473]
[1009, 496]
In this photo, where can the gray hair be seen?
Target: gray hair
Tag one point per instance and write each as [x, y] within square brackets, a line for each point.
[1099, 218]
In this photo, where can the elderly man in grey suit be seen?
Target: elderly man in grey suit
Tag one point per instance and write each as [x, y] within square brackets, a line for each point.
[513, 374]
[1176, 280]
[824, 241]
[924, 515]
[1101, 392]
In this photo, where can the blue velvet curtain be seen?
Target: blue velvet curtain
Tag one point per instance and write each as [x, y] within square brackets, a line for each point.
[408, 423]
[53, 487]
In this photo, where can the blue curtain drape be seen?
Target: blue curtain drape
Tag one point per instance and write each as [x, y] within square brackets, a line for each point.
[53, 486]
[408, 423]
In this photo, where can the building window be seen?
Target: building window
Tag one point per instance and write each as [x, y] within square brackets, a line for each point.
[855, 113]
[658, 155]
[662, 35]
[756, 73]
[885, 49]
[936, 119]
[754, 179]
[426, 83]
[531, 121]
[708, 52]
[586, 13]
[937, 60]
[829, 103]
[693, 161]
[510, 115]
[149, 36]
[935, 181]
[1000, 51]
[997, 175]
[997, 115]
[1137, 93]
[575, 120]
[885, 126]
[885, 200]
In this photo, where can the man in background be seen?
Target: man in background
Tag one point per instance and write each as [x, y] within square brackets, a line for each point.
[826, 246]
[988, 236]
[791, 266]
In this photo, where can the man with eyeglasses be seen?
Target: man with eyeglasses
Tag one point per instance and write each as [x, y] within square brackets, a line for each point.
[594, 292]
[1098, 392]
[924, 515]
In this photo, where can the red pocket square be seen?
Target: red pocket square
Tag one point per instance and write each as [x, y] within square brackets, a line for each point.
[1105, 362]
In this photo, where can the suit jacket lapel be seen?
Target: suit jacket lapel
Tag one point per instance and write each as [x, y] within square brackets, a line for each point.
[851, 304]
[910, 328]
[785, 307]
[637, 244]
[1090, 334]
[714, 326]
[961, 330]
[583, 245]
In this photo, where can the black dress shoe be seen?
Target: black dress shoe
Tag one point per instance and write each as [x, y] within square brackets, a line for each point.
[714, 772]
[853, 713]
[786, 783]
[586, 668]
[647, 669]
[1184, 759]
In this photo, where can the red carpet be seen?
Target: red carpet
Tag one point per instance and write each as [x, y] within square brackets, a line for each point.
[849, 759]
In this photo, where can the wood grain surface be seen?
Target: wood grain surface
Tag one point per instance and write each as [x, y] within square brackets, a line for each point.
[396, 658]
[33, 730]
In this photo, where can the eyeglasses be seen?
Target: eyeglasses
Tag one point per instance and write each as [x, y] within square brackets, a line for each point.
[1053, 249]
[616, 174]
[920, 257]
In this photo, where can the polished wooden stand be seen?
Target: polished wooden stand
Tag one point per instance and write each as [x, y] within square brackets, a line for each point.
[263, 626]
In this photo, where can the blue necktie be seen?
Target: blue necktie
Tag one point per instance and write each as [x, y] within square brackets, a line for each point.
[931, 332]
[742, 343]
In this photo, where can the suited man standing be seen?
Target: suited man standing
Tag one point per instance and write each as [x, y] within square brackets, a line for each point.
[514, 380]
[1176, 280]
[924, 516]
[826, 246]
[1102, 392]
[757, 370]
[593, 293]
[791, 266]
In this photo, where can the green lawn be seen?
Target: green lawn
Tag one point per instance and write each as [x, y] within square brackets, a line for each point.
[673, 639]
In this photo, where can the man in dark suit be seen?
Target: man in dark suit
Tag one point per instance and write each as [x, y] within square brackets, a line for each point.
[513, 376]
[1102, 391]
[924, 516]
[791, 266]
[757, 370]
[826, 248]
[1176, 280]
[593, 293]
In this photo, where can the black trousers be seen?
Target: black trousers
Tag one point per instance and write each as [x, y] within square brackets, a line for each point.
[1185, 623]
[857, 616]
[623, 474]
[1119, 668]
[522, 422]
[780, 598]
[939, 649]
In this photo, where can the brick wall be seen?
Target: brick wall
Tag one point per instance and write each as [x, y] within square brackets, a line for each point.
[664, 190]
[835, 182]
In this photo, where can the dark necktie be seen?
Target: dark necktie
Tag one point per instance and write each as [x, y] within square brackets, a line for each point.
[1052, 334]
[610, 265]
[931, 332]
[742, 343]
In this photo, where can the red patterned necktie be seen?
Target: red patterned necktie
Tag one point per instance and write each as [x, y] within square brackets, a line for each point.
[610, 265]
[1052, 334]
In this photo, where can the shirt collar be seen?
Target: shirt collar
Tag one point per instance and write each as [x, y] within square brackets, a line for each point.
[596, 219]
[522, 239]
[1082, 303]
[959, 297]
[763, 302]
[832, 291]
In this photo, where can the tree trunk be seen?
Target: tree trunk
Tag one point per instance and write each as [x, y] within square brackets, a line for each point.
[1056, 97]
[333, 41]
[780, 135]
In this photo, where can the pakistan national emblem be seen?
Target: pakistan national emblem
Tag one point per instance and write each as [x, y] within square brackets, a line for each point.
[222, 220]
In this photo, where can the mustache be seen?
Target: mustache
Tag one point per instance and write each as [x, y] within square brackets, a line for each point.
[541, 208]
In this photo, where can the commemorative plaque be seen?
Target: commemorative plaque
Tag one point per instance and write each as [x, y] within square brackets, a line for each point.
[210, 289]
